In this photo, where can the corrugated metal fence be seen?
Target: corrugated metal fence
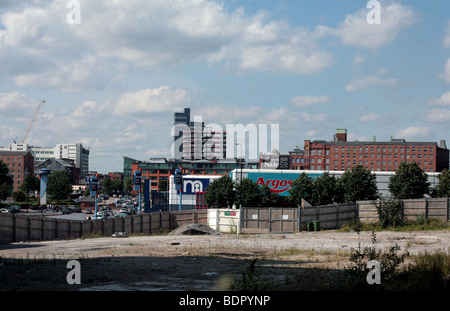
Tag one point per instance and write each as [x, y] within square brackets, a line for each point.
[38, 227]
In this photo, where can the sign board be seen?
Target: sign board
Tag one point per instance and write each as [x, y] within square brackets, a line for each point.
[284, 162]
[137, 180]
[194, 185]
[277, 182]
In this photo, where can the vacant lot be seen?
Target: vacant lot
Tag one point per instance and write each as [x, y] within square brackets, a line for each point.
[304, 260]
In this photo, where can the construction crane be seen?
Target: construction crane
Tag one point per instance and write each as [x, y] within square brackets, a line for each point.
[32, 121]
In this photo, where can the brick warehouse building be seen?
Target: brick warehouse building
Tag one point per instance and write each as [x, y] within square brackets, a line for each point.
[20, 165]
[341, 155]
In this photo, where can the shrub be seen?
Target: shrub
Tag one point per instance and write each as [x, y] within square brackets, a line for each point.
[389, 213]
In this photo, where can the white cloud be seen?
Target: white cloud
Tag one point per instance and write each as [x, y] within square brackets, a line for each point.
[15, 104]
[305, 101]
[369, 117]
[148, 101]
[446, 38]
[444, 100]
[416, 133]
[356, 31]
[438, 115]
[159, 35]
[445, 75]
[365, 82]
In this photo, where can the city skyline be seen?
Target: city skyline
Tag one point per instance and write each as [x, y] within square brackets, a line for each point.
[113, 79]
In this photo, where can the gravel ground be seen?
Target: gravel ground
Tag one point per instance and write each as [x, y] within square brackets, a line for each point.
[195, 262]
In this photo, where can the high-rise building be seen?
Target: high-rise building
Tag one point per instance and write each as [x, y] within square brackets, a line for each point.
[195, 141]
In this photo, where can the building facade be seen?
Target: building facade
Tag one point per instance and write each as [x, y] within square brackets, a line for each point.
[195, 141]
[20, 165]
[75, 152]
[61, 165]
[159, 169]
[342, 155]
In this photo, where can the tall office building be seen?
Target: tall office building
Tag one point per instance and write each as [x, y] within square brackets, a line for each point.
[195, 141]
[181, 121]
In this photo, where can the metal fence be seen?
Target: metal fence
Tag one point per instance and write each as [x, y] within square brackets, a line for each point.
[288, 220]
[38, 227]
[438, 208]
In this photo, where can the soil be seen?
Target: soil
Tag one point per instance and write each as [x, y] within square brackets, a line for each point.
[300, 261]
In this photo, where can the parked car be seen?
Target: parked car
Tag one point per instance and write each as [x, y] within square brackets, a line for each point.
[10, 209]
[123, 214]
[77, 210]
[66, 211]
[88, 211]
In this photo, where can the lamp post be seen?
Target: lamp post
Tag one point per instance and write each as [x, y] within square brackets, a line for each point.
[240, 181]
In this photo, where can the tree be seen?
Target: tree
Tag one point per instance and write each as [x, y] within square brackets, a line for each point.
[6, 182]
[19, 196]
[127, 185]
[111, 186]
[270, 198]
[409, 182]
[302, 188]
[58, 185]
[220, 192]
[326, 190]
[442, 189]
[251, 193]
[31, 183]
[163, 185]
[359, 184]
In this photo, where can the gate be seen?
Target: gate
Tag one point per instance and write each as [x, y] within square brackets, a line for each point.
[269, 220]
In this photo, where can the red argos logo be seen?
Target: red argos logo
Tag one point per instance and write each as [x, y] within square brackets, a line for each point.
[276, 185]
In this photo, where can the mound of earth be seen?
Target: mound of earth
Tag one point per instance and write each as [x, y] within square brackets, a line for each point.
[194, 229]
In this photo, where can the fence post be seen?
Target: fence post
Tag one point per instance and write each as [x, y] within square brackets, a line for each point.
[426, 209]
[337, 215]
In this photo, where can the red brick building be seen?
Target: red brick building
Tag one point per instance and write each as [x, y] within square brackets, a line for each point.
[341, 155]
[20, 164]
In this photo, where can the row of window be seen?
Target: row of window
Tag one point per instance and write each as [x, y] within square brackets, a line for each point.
[343, 168]
[384, 149]
[384, 155]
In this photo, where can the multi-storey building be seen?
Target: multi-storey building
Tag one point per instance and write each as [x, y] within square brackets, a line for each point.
[158, 169]
[341, 155]
[75, 152]
[197, 141]
[20, 165]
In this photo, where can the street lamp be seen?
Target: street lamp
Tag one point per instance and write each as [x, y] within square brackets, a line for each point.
[240, 181]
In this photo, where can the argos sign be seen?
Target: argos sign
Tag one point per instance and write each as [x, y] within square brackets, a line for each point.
[276, 185]
[278, 182]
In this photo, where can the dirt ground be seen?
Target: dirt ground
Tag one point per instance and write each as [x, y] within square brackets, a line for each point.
[303, 261]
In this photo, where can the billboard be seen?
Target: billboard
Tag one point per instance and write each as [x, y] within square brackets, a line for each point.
[194, 185]
[278, 181]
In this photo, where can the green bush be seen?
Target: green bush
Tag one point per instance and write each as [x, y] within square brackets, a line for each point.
[389, 213]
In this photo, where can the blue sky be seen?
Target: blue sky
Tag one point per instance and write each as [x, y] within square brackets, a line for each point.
[114, 81]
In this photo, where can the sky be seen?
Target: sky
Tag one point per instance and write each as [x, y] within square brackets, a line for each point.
[113, 72]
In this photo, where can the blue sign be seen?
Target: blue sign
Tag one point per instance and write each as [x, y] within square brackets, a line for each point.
[194, 185]
[137, 180]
